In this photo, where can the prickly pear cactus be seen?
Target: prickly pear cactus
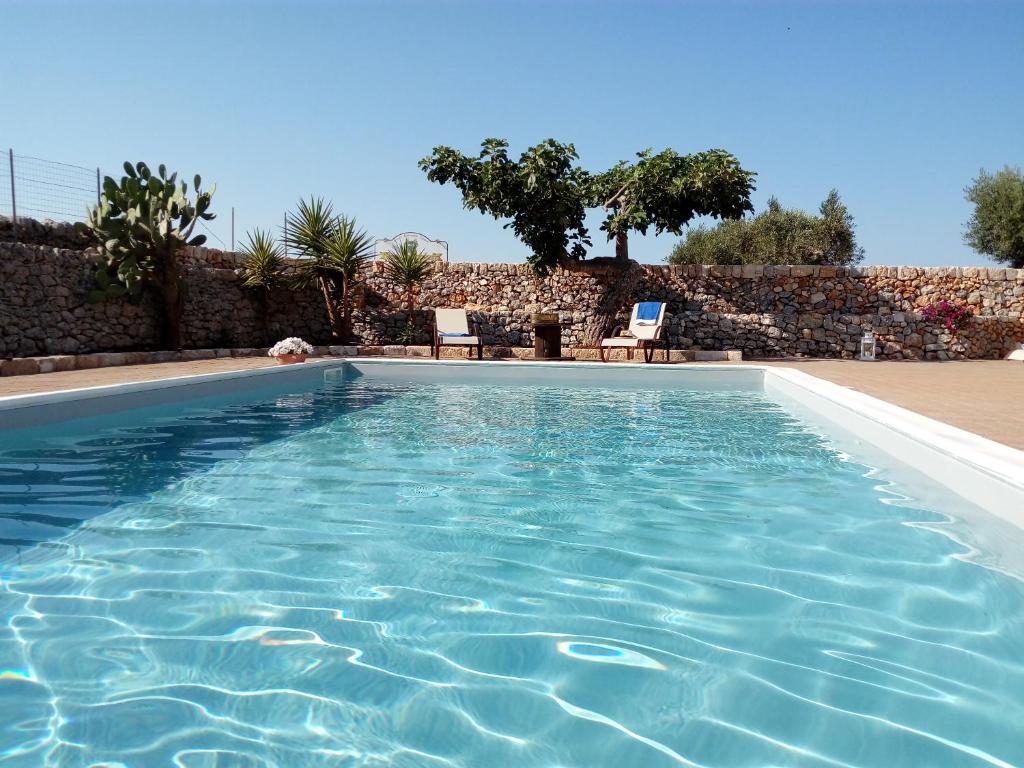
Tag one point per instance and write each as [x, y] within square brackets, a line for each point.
[142, 222]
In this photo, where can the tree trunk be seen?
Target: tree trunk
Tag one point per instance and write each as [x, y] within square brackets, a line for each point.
[337, 326]
[171, 301]
[346, 309]
[617, 296]
[172, 320]
[622, 247]
[264, 309]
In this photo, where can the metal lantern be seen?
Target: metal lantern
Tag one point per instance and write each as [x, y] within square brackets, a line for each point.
[867, 346]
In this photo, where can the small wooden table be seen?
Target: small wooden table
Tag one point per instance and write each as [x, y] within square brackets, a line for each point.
[547, 336]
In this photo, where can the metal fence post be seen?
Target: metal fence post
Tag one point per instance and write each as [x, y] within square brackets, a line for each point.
[232, 229]
[14, 204]
[285, 230]
[97, 186]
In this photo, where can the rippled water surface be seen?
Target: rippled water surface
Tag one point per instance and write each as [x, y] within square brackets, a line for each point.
[390, 574]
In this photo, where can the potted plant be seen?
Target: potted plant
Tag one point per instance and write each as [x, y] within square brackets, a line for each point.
[290, 350]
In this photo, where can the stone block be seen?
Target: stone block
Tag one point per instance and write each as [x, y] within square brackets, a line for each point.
[751, 271]
[19, 366]
[394, 350]
[457, 352]
[165, 356]
[188, 355]
[62, 362]
[717, 356]
[417, 350]
[369, 350]
[87, 361]
[138, 358]
[111, 359]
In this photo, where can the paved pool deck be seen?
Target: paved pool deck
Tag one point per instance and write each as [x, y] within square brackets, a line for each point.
[982, 396]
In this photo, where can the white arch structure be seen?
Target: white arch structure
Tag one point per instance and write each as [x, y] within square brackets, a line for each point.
[437, 248]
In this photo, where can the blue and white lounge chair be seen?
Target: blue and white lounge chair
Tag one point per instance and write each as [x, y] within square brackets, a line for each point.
[451, 327]
[646, 330]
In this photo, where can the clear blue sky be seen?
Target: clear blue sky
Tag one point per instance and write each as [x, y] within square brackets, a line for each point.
[897, 104]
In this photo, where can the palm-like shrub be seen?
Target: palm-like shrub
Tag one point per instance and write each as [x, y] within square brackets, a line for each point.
[263, 271]
[264, 266]
[333, 252]
[407, 266]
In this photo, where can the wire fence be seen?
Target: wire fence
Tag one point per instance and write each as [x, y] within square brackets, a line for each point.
[45, 189]
[31, 187]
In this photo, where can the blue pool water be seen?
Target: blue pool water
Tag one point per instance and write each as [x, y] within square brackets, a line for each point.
[371, 573]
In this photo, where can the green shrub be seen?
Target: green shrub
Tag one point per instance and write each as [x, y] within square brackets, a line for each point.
[776, 236]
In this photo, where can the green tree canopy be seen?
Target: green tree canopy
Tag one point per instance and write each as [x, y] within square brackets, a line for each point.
[544, 193]
[667, 190]
[777, 235]
[996, 228]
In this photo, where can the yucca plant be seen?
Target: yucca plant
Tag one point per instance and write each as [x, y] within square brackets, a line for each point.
[408, 266]
[264, 267]
[333, 253]
[263, 271]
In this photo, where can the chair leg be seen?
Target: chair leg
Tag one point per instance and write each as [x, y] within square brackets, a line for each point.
[480, 351]
[602, 351]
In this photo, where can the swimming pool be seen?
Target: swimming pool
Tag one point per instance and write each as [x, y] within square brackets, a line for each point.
[439, 565]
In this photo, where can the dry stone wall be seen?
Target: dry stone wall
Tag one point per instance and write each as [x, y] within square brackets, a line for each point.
[44, 308]
[763, 311]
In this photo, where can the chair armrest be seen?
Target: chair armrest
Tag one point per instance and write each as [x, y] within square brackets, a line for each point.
[615, 332]
[477, 331]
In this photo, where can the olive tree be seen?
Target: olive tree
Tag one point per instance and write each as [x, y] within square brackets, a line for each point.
[777, 235]
[996, 228]
[142, 223]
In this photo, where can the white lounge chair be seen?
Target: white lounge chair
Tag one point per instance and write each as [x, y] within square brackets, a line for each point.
[451, 327]
[646, 330]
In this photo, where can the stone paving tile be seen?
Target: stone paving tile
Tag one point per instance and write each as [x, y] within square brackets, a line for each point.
[982, 396]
